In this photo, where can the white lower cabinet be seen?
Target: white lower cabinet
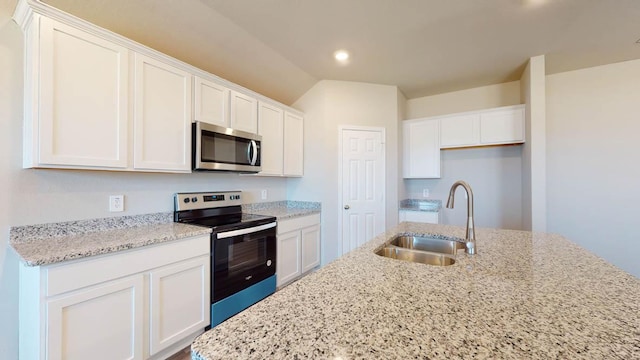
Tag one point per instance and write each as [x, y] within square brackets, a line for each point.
[430, 217]
[100, 322]
[178, 302]
[145, 303]
[298, 247]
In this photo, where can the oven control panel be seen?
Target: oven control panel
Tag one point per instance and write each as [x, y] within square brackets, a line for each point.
[194, 201]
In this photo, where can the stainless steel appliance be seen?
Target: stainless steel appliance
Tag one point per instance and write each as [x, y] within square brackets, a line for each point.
[243, 249]
[224, 149]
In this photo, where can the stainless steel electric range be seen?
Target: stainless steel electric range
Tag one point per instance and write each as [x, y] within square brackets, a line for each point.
[243, 249]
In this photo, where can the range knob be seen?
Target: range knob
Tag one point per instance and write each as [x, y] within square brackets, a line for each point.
[186, 200]
[194, 199]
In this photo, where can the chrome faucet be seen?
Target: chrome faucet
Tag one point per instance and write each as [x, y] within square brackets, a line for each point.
[471, 232]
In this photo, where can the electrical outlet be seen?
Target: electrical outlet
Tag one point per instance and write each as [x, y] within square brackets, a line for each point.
[425, 193]
[116, 203]
[264, 194]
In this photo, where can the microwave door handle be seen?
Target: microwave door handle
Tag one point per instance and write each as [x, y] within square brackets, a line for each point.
[249, 148]
[254, 158]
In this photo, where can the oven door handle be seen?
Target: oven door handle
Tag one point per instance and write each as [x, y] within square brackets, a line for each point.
[232, 233]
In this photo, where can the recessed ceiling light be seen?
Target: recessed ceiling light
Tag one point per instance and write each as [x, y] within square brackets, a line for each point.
[341, 56]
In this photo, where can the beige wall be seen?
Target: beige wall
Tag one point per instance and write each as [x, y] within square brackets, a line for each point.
[494, 173]
[327, 106]
[466, 100]
[534, 151]
[30, 196]
[593, 176]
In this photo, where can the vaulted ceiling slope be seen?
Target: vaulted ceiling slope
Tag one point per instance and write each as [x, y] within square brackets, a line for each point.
[281, 48]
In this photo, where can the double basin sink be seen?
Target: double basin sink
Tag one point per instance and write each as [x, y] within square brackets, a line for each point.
[427, 249]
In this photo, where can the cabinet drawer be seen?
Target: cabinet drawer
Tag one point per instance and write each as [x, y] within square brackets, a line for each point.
[77, 274]
[288, 225]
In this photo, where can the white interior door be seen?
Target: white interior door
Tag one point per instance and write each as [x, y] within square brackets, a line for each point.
[363, 173]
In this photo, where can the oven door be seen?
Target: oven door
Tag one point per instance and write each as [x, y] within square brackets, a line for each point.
[220, 148]
[241, 258]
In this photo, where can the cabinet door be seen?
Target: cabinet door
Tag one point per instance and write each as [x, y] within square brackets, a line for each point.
[310, 248]
[420, 216]
[82, 104]
[288, 265]
[244, 112]
[421, 149]
[293, 145]
[271, 128]
[502, 126]
[162, 116]
[179, 302]
[458, 131]
[211, 102]
[100, 322]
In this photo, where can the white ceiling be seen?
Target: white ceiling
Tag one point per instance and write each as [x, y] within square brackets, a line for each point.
[281, 48]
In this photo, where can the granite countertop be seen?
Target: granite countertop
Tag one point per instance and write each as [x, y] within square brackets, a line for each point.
[426, 205]
[523, 296]
[53, 243]
[283, 210]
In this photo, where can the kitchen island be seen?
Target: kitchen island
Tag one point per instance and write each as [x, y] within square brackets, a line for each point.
[523, 296]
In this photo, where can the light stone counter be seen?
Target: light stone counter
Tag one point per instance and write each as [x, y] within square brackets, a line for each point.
[425, 205]
[283, 210]
[523, 296]
[52, 243]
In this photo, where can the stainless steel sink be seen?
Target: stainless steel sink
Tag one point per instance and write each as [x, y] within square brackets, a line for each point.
[422, 257]
[428, 243]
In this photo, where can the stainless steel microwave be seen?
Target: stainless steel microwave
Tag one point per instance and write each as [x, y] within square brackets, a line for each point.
[223, 149]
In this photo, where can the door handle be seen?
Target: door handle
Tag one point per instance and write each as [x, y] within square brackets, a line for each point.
[347, 207]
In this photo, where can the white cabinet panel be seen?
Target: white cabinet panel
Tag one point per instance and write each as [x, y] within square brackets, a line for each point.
[211, 102]
[288, 265]
[421, 148]
[244, 112]
[456, 131]
[310, 248]
[102, 322]
[162, 116]
[502, 126]
[271, 128]
[420, 216]
[79, 98]
[179, 302]
[298, 247]
[126, 305]
[293, 145]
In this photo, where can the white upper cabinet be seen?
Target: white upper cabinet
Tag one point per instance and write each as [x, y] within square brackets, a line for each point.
[96, 100]
[504, 125]
[457, 131]
[293, 145]
[421, 149]
[271, 128]
[211, 102]
[244, 112]
[76, 92]
[282, 141]
[162, 116]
